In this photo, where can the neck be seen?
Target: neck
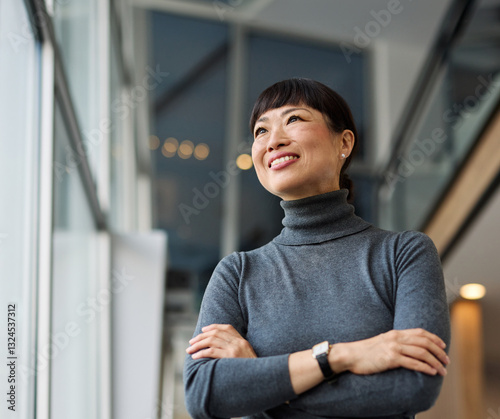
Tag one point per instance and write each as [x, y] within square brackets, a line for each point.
[319, 218]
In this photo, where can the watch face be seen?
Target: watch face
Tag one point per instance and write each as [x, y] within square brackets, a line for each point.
[320, 348]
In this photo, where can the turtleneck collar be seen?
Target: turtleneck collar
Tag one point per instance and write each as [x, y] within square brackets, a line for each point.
[319, 218]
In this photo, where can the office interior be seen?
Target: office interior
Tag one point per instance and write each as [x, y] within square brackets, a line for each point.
[126, 176]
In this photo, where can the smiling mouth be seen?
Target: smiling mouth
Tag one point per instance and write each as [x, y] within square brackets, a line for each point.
[282, 160]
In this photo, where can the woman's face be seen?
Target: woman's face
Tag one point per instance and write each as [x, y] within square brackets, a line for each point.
[296, 154]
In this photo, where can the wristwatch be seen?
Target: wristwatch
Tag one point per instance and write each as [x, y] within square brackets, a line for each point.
[320, 352]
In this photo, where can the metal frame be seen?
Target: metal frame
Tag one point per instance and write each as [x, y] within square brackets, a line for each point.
[234, 134]
[44, 288]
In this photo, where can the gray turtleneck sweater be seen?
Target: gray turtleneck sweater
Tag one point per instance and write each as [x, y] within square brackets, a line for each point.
[330, 276]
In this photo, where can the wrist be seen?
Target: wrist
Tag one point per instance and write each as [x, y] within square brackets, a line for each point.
[338, 358]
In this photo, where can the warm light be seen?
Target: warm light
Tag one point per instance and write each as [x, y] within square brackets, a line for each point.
[170, 147]
[201, 151]
[185, 149]
[167, 153]
[244, 162]
[154, 142]
[473, 291]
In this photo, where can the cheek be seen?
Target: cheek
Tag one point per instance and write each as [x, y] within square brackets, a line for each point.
[257, 156]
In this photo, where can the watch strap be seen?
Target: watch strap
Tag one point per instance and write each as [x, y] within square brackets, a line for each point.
[328, 373]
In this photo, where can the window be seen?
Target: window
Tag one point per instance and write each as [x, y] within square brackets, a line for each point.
[19, 87]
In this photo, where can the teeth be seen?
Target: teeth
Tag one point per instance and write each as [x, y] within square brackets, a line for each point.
[283, 159]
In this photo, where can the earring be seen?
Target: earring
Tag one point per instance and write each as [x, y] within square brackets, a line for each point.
[343, 155]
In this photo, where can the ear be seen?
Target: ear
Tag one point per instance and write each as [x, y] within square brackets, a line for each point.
[347, 142]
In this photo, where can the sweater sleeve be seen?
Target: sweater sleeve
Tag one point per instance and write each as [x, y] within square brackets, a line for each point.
[230, 387]
[419, 302]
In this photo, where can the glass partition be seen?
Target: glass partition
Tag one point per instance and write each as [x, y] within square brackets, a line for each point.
[19, 168]
[76, 301]
[464, 97]
[76, 30]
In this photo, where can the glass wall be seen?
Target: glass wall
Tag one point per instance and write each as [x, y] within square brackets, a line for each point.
[19, 151]
[76, 26]
[75, 306]
[55, 247]
[463, 99]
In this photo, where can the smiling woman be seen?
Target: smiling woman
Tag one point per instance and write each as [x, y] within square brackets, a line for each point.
[298, 136]
[321, 119]
[332, 318]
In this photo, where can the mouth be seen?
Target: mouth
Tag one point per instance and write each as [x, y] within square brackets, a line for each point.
[279, 160]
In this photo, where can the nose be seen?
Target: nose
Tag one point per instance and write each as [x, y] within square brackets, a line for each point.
[277, 139]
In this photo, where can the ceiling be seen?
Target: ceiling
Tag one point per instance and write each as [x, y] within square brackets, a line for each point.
[335, 20]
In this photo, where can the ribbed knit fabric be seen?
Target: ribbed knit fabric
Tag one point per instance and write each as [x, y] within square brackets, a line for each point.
[330, 276]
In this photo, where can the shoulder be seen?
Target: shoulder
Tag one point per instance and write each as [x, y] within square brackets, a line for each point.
[228, 269]
[415, 242]
[409, 239]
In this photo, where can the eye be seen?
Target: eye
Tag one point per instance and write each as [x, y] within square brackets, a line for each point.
[259, 131]
[294, 118]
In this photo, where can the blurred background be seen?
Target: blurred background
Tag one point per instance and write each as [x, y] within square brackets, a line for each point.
[126, 177]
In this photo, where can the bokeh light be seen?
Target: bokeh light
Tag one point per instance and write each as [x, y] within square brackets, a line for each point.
[244, 161]
[154, 142]
[472, 291]
[170, 147]
[186, 149]
[201, 151]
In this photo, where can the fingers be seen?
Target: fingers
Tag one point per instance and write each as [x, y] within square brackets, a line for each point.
[429, 347]
[227, 327]
[215, 353]
[421, 350]
[219, 329]
[402, 335]
[207, 342]
[220, 341]
[416, 365]
[423, 359]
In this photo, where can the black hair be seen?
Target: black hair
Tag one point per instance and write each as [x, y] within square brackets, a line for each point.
[318, 96]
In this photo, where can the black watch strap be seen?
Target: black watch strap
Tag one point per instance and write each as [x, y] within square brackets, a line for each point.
[327, 371]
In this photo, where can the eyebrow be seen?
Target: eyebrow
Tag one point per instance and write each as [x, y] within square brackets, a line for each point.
[285, 112]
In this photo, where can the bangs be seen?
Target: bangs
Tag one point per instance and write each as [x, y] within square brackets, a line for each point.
[292, 92]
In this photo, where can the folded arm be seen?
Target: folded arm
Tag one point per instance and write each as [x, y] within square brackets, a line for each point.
[217, 383]
[413, 379]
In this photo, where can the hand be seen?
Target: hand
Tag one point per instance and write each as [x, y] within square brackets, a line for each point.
[414, 349]
[220, 341]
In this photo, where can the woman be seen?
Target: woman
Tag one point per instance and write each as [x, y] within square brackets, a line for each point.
[374, 300]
